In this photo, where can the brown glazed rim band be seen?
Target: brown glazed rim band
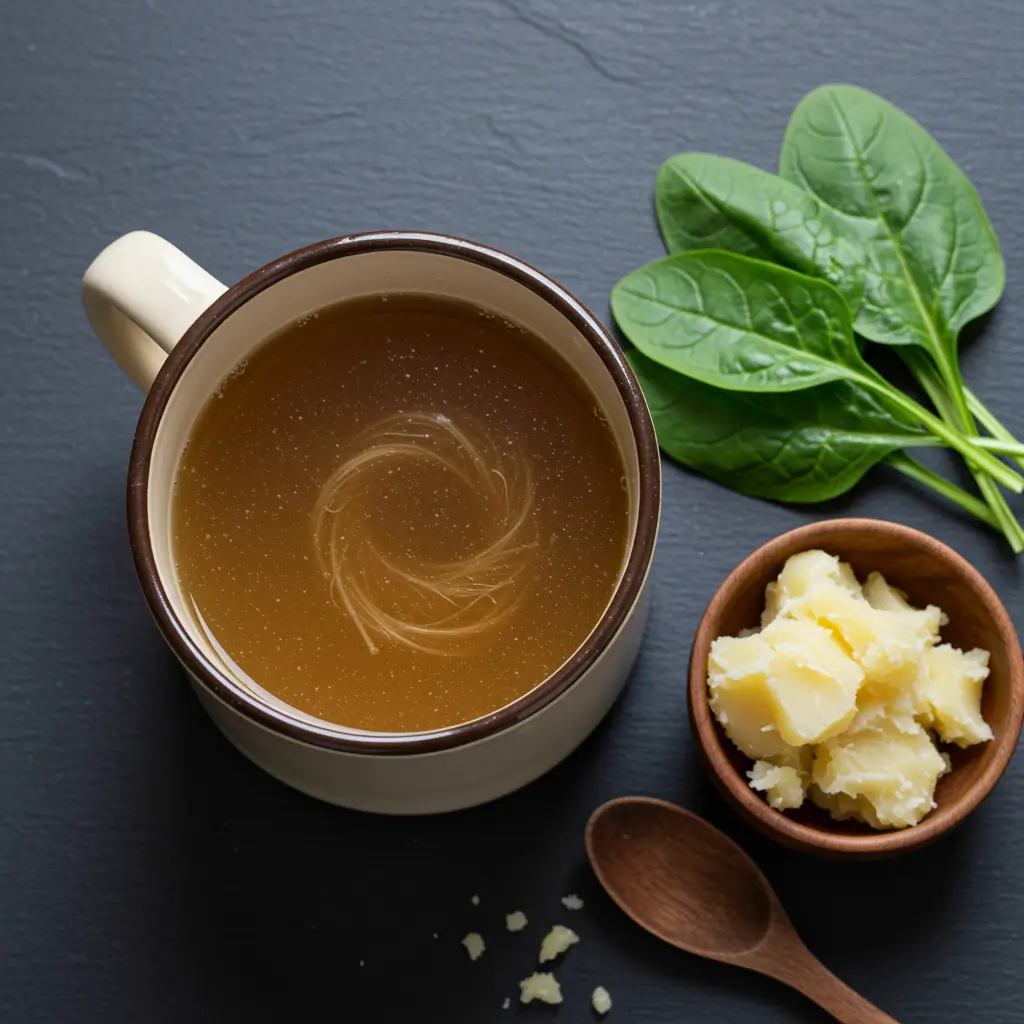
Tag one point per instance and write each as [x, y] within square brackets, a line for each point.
[336, 738]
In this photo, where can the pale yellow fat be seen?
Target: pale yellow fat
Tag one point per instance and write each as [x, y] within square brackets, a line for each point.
[601, 1000]
[887, 773]
[789, 685]
[801, 573]
[813, 681]
[740, 698]
[887, 644]
[950, 685]
[541, 987]
[834, 696]
[556, 942]
[784, 787]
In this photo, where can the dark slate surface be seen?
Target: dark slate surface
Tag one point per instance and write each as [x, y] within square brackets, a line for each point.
[147, 872]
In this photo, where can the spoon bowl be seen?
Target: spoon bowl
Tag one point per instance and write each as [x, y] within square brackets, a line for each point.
[646, 842]
[687, 883]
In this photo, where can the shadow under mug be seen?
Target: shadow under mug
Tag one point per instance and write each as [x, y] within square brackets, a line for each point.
[177, 332]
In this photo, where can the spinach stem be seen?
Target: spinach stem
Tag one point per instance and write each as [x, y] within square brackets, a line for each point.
[925, 374]
[977, 457]
[923, 475]
[988, 444]
[949, 374]
[985, 417]
[997, 503]
[930, 381]
[996, 444]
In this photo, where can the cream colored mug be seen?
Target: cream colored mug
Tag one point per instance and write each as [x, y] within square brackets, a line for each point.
[178, 332]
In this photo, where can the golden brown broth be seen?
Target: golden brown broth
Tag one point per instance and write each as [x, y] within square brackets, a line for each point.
[471, 538]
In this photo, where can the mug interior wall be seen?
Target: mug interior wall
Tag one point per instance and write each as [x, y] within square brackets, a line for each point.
[311, 290]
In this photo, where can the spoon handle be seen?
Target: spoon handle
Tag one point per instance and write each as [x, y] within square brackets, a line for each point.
[810, 976]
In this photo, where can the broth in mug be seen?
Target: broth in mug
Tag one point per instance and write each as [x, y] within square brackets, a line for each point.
[400, 514]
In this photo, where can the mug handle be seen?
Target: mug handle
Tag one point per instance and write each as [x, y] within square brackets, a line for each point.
[141, 294]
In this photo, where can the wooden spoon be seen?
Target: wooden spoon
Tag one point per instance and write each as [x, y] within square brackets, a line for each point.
[684, 881]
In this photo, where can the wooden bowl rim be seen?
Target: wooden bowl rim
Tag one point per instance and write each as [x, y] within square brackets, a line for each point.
[809, 838]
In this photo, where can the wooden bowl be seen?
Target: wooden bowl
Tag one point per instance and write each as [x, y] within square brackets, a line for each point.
[930, 573]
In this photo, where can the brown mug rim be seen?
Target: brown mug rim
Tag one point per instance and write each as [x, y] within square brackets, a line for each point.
[336, 738]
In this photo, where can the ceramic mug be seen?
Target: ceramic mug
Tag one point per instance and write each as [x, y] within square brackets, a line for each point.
[178, 332]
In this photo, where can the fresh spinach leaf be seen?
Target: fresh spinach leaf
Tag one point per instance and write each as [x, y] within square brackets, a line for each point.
[745, 325]
[739, 323]
[869, 203]
[803, 446]
[706, 201]
[712, 202]
[777, 447]
[931, 259]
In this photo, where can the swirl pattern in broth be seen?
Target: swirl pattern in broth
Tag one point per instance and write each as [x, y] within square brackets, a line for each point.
[426, 605]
